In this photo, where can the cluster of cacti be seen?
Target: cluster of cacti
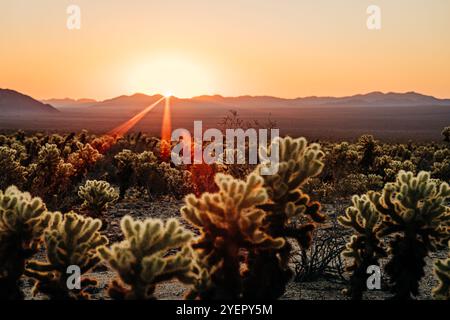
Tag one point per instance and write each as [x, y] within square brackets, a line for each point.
[231, 227]
[11, 171]
[250, 224]
[50, 175]
[71, 241]
[23, 220]
[415, 215]
[97, 196]
[141, 260]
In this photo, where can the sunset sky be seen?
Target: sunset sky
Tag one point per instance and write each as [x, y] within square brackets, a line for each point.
[287, 48]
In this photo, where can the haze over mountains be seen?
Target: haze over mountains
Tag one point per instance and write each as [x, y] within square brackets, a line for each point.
[15, 103]
[393, 116]
[373, 99]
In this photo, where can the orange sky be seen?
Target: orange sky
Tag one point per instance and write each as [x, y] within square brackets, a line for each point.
[284, 48]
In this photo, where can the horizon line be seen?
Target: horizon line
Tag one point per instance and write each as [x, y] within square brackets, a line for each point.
[241, 96]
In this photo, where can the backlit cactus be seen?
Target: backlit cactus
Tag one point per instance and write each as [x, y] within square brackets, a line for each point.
[97, 196]
[365, 247]
[416, 217]
[23, 220]
[141, 259]
[71, 240]
[290, 213]
[415, 213]
[231, 225]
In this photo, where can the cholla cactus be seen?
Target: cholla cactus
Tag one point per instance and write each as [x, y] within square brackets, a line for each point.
[50, 175]
[442, 272]
[230, 224]
[11, 171]
[84, 158]
[290, 213]
[365, 247]
[124, 162]
[141, 259]
[22, 223]
[97, 196]
[72, 240]
[415, 212]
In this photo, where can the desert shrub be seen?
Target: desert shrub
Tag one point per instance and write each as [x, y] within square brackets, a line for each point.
[322, 258]
[71, 240]
[11, 171]
[97, 196]
[23, 220]
[141, 259]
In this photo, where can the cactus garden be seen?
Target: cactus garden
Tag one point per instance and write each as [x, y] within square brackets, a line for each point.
[85, 216]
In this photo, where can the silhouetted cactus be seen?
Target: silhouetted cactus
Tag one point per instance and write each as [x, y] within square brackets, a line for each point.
[22, 223]
[442, 272]
[97, 196]
[141, 259]
[231, 225]
[124, 162]
[290, 214]
[72, 240]
[446, 134]
[365, 248]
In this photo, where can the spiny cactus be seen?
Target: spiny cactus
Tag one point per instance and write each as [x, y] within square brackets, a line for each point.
[365, 247]
[124, 162]
[415, 212]
[290, 213]
[230, 224]
[442, 272]
[11, 171]
[71, 240]
[141, 259]
[84, 158]
[50, 175]
[97, 196]
[22, 223]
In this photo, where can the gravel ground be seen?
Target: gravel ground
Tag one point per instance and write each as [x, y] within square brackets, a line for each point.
[321, 289]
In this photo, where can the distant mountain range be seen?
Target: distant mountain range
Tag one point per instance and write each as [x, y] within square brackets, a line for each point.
[386, 115]
[15, 103]
[372, 99]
